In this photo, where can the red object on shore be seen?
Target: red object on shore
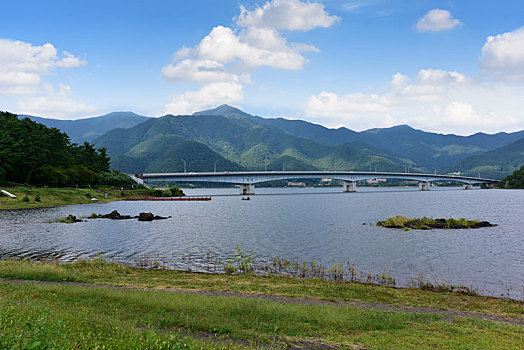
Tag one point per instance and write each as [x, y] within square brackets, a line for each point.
[187, 198]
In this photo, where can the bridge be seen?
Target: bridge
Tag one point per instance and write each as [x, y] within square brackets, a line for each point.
[247, 179]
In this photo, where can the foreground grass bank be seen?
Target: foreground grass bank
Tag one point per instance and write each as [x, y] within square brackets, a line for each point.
[41, 197]
[103, 272]
[66, 317]
[78, 316]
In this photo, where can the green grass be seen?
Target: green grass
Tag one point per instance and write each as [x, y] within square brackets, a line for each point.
[401, 221]
[398, 220]
[81, 317]
[40, 197]
[99, 271]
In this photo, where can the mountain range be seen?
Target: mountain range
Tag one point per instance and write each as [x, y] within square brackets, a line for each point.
[88, 129]
[228, 139]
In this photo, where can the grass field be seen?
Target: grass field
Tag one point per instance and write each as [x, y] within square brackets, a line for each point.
[79, 316]
[40, 197]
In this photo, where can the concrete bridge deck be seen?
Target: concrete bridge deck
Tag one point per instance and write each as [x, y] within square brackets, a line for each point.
[247, 179]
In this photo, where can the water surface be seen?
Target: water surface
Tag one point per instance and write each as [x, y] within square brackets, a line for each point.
[306, 224]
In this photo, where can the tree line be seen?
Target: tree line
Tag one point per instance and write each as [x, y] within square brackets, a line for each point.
[32, 153]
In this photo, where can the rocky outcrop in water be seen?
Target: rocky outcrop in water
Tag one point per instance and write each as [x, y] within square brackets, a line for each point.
[115, 215]
[149, 217]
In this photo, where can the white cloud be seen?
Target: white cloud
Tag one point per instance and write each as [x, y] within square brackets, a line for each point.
[22, 65]
[437, 20]
[430, 85]
[55, 103]
[209, 95]
[200, 71]
[252, 47]
[433, 100]
[503, 55]
[224, 59]
[254, 42]
[286, 15]
[337, 110]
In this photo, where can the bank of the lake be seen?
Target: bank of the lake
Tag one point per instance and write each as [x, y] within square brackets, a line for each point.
[44, 197]
[155, 307]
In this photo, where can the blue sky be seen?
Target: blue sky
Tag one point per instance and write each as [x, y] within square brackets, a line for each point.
[444, 66]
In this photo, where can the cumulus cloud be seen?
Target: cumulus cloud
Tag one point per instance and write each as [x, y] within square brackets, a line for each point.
[251, 47]
[55, 103]
[287, 15]
[337, 110]
[22, 65]
[201, 71]
[228, 55]
[432, 100]
[430, 85]
[208, 96]
[503, 55]
[437, 20]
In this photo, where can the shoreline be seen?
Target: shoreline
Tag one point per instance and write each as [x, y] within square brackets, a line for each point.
[50, 197]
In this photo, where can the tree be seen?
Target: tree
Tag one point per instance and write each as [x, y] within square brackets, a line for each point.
[33, 153]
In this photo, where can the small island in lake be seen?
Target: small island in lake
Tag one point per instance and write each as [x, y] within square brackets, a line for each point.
[426, 223]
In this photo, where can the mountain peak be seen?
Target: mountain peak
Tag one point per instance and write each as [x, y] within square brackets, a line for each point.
[225, 111]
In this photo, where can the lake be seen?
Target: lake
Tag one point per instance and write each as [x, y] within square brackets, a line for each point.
[306, 223]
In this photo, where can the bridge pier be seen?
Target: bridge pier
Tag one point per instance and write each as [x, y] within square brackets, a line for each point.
[247, 189]
[424, 186]
[467, 186]
[349, 186]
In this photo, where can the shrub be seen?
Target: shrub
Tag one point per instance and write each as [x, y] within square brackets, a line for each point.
[113, 178]
[176, 192]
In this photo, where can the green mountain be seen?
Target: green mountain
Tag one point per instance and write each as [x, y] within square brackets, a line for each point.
[515, 180]
[425, 149]
[167, 153]
[88, 129]
[495, 164]
[251, 142]
[241, 140]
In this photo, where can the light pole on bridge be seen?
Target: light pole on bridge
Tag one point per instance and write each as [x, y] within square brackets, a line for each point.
[184, 165]
[215, 165]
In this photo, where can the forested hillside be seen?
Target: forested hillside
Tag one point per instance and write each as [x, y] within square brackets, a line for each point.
[242, 141]
[34, 154]
[495, 164]
[515, 180]
[88, 129]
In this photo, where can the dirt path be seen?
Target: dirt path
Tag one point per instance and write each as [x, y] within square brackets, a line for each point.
[447, 315]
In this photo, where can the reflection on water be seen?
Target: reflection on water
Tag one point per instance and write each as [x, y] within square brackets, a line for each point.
[314, 223]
